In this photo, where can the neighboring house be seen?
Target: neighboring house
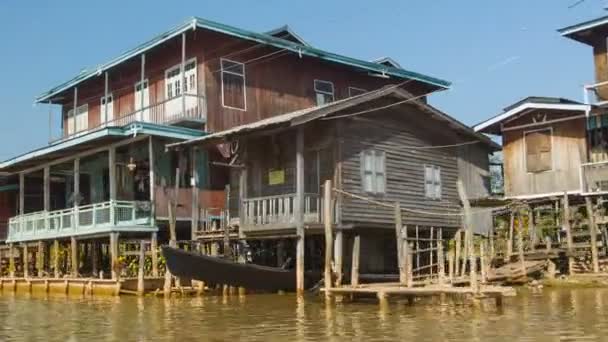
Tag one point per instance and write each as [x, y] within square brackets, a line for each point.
[109, 174]
[384, 145]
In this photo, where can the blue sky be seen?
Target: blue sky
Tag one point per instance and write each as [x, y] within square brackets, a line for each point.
[494, 52]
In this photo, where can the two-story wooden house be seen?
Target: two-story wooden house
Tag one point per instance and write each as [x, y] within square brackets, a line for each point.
[109, 173]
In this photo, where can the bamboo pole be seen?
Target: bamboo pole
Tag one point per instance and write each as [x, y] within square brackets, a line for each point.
[593, 234]
[354, 273]
[328, 235]
[140, 273]
[566, 227]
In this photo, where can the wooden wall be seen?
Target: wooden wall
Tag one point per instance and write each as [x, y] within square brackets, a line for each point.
[277, 82]
[393, 132]
[568, 152]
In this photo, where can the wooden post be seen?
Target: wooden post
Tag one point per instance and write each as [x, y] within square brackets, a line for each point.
[140, 273]
[482, 262]
[531, 229]
[440, 262]
[510, 241]
[195, 193]
[469, 229]
[114, 255]
[451, 266]
[409, 265]
[26, 263]
[40, 259]
[300, 212]
[328, 235]
[94, 257]
[56, 258]
[338, 255]
[593, 234]
[520, 242]
[566, 227]
[154, 252]
[354, 272]
[11, 260]
[548, 244]
[431, 252]
[457, 245]
[400, 242]
[74, 256]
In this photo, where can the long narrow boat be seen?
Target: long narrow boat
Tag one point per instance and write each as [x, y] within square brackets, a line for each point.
[213, 270]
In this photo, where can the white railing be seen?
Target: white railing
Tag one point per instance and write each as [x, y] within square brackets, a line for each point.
[80, 220]
[594, 177]
[280, 209]
[165, 112]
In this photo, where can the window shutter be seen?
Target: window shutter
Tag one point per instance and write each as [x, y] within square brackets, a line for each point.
[438, 184]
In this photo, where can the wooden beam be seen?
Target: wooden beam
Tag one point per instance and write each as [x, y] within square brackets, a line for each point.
[511, 229]
[56, 258]
[531, 229]
[328, 234]
[26, 262]
[40, 259]
[593, 234]
[338, 255]
[300, 211]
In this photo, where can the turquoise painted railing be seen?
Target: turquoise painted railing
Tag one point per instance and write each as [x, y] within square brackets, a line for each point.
[84, 219]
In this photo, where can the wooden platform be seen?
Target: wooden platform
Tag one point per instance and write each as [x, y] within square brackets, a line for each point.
[77, 286]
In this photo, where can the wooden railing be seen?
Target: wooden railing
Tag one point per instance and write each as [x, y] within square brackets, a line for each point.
[594, 177]
[165, 112]
[85, 219]
[281, 209]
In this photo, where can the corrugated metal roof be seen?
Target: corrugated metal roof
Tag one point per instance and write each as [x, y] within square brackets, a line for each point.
[313, 113]
[579, 31]
[248, 35]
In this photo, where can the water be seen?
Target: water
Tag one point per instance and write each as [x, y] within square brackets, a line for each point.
[549, 315]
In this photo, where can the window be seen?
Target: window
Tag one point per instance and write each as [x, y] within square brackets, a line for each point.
[353, 91]
[324, 92]
[82, 119]
[107, 108]
[538, 150]
[432, 181]
[233, 85]
[373, 171]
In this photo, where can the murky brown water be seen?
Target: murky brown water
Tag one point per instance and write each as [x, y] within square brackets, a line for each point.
[550, 315]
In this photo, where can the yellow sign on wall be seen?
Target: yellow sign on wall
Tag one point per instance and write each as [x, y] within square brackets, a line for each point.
[276, 177]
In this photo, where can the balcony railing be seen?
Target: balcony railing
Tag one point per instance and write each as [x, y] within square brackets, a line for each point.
[165, 112]
[594, 177]
[85, 219]
[280, 210]
[596, 94]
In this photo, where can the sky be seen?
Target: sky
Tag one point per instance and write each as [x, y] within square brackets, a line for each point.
[494, 52]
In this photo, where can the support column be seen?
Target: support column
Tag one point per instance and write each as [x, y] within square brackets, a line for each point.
[354, 272]
[195, 194]
[300, 211]
[11, 260]
[511, 229]
[593, 234]
[566, 227]
[142, 79]
[182, 70]
[152, 180]
[95, 257]
[40, 259]
[339, 255]
[74, 256]
[105, 96]
[328, 236]
[140, 271]
[56, 258]
[531, 228]
[154, 252]
[76, 197]
[47, 188]
[21, 194]
[25, 262]
[112, 180]
[469, 236]
[114, 255]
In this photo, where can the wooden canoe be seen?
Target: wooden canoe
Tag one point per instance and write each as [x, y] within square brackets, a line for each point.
[214, 270]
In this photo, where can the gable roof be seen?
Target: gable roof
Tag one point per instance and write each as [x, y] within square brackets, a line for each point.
[303, 116]
[262, 38]
[387, 61]
[492, 125]
[285, 32]
[583, 32]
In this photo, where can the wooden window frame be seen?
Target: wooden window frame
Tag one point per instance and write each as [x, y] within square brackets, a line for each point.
[178, 67]
[525, 148]
[244, 76]
[350, 89]
[437, 195]
[374, 172]
[102, 105]
[75, 120]
[317, 91]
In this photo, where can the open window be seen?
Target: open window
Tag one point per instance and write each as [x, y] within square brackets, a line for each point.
[538, 150]
[233, 85]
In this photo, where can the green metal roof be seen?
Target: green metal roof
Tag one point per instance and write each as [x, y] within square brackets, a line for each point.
[262, 38]
[132, 129]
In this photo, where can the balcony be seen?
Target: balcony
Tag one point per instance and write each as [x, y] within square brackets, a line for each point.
[187, 110]
[83, 220]
[594, 178]
[278, 212]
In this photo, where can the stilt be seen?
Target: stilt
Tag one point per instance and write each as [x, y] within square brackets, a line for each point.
[154, 253]
[469, 229]
[328, 235]
[520, 243]
[40, 259]
[531, 229]
[140, 273]
[95, 258]
[593, 234]
[431, 251]
[457, 245]
[11, 260]
[56, 258]
[354, 271]
[409, 264]
[114, 256]
[338, 256]
[26, 262]
[74, 256]
[510, 241]
[300, 212]
[400, 242]
[566, 227]
[451, 266]
[482, 261]
[440, 262]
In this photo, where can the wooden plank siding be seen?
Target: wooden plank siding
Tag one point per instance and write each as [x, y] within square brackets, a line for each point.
[393, 132]
[568, 151]
[277, 82]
